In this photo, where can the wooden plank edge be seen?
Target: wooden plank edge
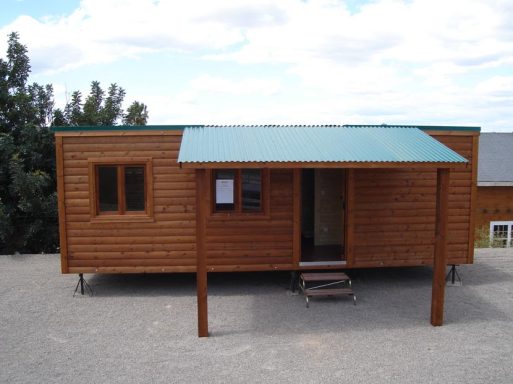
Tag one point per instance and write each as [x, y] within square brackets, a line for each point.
[119, 133]
[251, 268]
[130, 270]
[473, 199]
[451, 133]
[63, 240]
[191, 269]
[296, 217]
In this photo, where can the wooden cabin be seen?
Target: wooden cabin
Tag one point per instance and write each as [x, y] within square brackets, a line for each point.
[494, 215]
[256, 198]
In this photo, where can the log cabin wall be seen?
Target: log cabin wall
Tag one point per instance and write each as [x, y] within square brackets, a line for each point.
[394, 211]
[493, 204]
[166, 244]
[255, 243]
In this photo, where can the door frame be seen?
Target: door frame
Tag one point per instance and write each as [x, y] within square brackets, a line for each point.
[297, 222]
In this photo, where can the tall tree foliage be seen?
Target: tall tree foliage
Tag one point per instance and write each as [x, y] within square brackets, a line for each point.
[137, 114]
[28, 201]
[28, 209]
[101, 108]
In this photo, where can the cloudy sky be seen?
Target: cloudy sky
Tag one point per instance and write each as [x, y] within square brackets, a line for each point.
[445, 62]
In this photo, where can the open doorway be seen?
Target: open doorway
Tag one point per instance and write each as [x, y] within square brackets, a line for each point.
[322, 216]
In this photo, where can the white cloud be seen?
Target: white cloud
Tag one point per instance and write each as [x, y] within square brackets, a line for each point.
[467, 33]
[498, 87]
[417, 61]
[247, 86]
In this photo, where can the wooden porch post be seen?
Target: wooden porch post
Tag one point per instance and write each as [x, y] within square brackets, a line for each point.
[440, 254]
[296, 227]
[349, 217]
[201, 256]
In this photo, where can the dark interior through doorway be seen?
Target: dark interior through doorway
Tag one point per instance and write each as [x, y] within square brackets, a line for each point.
[322, 215]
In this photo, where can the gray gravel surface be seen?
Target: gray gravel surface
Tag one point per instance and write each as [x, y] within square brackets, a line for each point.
[142, 328]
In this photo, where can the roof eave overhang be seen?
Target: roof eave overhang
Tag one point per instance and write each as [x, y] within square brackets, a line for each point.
[330, 164]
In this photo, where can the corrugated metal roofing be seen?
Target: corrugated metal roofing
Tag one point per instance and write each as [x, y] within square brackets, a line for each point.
[312, 144]
[495, 158]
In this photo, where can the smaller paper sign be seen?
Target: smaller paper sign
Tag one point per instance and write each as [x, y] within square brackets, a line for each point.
[224, 191]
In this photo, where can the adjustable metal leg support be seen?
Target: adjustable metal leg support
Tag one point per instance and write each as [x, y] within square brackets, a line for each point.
[455, 278]
[294, 279]
[83, 286]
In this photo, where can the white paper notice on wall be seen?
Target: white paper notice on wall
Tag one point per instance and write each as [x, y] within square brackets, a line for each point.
[224, 191]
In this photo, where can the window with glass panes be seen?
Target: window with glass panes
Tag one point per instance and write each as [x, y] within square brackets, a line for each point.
[501, 233]
[237, 190]
[120, 189]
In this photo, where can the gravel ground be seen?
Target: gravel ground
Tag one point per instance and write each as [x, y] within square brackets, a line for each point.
[142, 328]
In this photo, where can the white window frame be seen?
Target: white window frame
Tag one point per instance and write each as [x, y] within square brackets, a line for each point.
[509, 224]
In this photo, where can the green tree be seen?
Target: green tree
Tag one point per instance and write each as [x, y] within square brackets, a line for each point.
[137, 114]
[28, 201]
[28, 209]
[100, 109]
[112, 110]
[73, 114]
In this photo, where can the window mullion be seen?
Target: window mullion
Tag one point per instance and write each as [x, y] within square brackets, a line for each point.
[262, 189]
[121, 189]
[238, 183]
[145, 189]
[97, 188]
[212, 190]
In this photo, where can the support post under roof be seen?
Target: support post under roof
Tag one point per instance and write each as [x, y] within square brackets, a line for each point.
[201, 256]
[440, 251]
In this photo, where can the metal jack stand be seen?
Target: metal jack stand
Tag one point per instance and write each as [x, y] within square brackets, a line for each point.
[294, 282]
[83, 286]
[455, 279]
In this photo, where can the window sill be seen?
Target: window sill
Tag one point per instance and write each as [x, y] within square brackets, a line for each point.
[122, 219]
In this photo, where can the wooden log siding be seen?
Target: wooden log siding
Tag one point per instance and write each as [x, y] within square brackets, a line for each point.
[167, 244]
[394, 213]
[493, 204]
[256, 243]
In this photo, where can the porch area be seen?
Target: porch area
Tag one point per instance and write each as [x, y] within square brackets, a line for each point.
[333, 153]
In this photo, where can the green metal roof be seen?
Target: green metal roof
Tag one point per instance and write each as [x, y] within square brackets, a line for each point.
[222, 144]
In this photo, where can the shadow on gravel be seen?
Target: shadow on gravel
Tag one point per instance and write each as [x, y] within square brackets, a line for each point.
[184, 284]
[388, 298]
[480, 273]
[140, 285]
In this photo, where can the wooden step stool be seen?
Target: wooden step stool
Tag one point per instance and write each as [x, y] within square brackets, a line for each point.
[336, 284]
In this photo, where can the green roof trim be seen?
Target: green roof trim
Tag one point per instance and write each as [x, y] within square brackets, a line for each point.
[425, 127]
[274, 144]
[183, 126]
[92, 128]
